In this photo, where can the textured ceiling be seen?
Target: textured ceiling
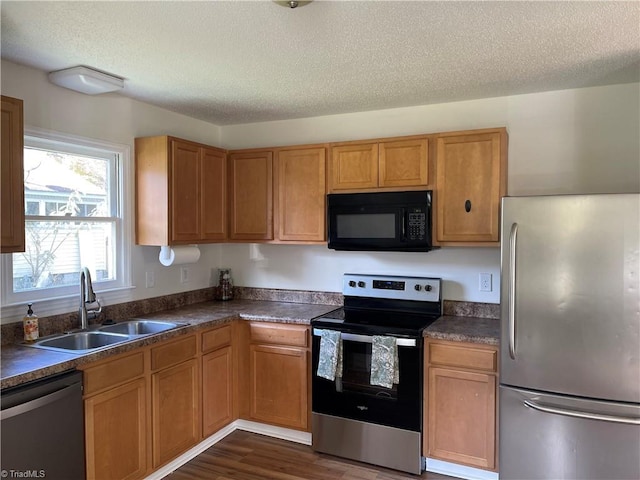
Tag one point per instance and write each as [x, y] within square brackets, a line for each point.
[250, 61]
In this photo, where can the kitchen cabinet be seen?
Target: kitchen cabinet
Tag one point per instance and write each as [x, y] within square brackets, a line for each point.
[217, 379]
[460, 412]
[180, 192]
[12, 173]
[300, 186]
[175, 407]
[471, 179]
[389, 163]
[279, 373]
[250, 186]
[115, 405]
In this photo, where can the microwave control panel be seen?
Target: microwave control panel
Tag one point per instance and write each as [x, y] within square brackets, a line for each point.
[416, 224]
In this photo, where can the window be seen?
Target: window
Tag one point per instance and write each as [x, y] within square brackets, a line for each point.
[73, 218]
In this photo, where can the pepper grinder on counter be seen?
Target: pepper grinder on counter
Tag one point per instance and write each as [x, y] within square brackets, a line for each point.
[225, 284]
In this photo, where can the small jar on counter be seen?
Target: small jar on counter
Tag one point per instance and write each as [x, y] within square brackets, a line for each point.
[225, 284]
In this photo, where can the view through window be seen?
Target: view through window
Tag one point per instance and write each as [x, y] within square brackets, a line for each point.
[72, 217]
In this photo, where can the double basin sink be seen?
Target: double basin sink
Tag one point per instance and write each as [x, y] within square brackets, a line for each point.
[105, 336]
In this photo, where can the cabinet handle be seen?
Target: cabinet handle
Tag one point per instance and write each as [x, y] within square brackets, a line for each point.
[467, 206]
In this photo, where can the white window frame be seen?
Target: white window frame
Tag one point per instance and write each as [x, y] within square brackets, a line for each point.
[58, 300]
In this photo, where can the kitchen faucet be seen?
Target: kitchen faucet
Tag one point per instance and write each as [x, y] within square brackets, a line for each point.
[87, 295]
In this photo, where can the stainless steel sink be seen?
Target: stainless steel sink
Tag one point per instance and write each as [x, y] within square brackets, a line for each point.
[104, 336]
[81, 342]
[141, 327]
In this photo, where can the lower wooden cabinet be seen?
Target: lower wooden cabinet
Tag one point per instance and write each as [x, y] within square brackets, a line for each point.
[279, 375]
[278, 379]
[175, 411]
[460, 396]
[116, 412]
[217, 380]
[145, 408]
[175, 398]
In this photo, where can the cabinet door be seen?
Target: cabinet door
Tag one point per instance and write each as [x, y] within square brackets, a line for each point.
[116, 430]
[470, 182]
[404, 163]
[301, 194]
[251, 195]
[12, 167]
[278, 385]
[462, 417]
[175, 411]
[217, 398]
[185, 192]
[214, 194]
[354, 166]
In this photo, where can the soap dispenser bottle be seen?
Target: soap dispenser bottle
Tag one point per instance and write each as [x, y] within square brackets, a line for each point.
[30, 325]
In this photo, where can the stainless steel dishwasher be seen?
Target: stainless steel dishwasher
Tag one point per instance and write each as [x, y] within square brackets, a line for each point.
[43, 429]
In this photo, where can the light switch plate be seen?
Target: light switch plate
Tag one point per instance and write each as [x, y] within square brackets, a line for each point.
[184, 275]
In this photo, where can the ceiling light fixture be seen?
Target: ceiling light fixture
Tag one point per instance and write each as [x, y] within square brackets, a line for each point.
[293, 3]
[86, 80]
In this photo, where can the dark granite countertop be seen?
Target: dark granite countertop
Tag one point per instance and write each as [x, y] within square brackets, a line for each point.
[465, 329]
[21, 363]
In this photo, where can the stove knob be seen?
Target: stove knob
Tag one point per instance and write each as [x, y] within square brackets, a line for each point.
[427, 288]
[361, 284]
[417, 287]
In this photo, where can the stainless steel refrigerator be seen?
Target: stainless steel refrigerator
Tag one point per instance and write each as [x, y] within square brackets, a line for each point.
[569, 404]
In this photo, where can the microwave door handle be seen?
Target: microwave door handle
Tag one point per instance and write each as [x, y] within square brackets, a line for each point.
[404, 224]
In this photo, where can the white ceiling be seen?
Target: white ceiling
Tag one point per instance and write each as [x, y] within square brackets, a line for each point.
[231, 62]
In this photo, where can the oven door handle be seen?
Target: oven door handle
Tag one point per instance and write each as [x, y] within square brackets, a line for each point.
[352, 337]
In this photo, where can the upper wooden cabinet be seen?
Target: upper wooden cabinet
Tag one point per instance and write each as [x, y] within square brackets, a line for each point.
[300, 199]
[251, 195]
[471, 179]
[180, 192]
[278, 195]
[12, 214]
[401, 162]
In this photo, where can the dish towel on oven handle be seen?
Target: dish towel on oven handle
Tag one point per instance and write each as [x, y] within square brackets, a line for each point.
[384, 361]
[330, 355]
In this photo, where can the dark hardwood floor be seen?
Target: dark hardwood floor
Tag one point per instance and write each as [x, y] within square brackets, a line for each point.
[249, 456]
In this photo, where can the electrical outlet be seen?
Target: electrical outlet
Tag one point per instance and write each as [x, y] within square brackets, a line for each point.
[184, 275]
[150, 279]
[485, 282]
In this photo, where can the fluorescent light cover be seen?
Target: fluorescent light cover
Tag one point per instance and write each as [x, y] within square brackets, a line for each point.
[86, 80]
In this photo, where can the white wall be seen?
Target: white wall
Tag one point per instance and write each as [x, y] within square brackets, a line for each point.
[583, 140]
[570, 141]
[118, 119]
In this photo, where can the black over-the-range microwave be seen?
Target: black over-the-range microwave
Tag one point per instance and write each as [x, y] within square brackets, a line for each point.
[380, 221]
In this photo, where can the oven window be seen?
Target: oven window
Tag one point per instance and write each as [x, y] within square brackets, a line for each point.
[370, 225]
[356, 372]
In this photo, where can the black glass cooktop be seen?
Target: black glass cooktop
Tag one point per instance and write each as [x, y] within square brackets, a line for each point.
[375, 322]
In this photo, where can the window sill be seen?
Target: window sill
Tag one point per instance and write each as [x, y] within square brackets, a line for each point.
[54, 306]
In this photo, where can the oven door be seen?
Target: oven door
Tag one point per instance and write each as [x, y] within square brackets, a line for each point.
[354, 397]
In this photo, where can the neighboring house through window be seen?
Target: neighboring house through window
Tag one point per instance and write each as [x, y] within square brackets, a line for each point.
[73, 218]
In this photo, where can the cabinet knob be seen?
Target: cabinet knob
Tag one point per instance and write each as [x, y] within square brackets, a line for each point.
[467, 206]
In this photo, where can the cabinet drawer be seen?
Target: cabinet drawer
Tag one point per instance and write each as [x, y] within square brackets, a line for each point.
[216, 338]
[279, 334]
[173, 353]
[113, 372]
[464, 357]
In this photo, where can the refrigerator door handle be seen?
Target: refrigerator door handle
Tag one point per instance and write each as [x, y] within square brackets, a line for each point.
[581, 414]
[513, 237]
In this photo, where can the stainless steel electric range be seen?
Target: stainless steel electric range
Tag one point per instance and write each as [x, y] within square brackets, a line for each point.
[351, 417]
